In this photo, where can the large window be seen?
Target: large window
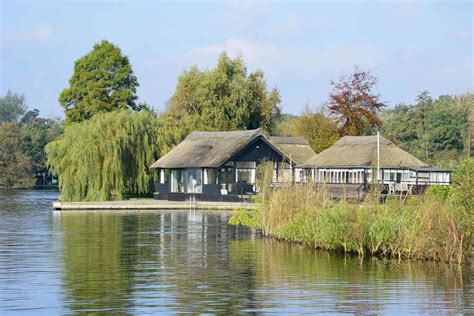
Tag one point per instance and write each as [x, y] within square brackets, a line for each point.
[177, 181]
[246, 175]
[186, 181]
[193, 181]
[164, 175]
[211, 176]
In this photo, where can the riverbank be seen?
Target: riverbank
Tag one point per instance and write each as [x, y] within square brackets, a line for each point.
[415, 229]
[142, 204]
[437, 226]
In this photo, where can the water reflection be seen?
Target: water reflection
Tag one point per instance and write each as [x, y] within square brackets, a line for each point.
[194, 262]
[167, 260]
[150, 263]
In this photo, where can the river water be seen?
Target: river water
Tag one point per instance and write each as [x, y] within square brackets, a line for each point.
[174, 262]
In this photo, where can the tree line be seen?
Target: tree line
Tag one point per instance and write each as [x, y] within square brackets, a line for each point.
[434, 130]
[23, 137]
[103, 148]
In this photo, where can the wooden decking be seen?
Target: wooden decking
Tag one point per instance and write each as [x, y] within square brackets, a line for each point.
[137, 205]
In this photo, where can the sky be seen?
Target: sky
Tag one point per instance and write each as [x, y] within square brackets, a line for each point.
[301, 46]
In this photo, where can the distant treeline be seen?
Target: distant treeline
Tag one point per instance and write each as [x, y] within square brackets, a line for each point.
[101, 99]
[434, 130]
[23, 136]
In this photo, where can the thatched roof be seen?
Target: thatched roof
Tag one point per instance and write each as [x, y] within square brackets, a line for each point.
[362, 151]
[297, 148]
[209, 149]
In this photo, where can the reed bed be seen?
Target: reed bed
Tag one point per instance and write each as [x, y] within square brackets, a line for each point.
[416, 228]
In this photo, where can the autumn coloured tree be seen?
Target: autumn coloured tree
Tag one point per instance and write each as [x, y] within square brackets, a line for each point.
[354, 105]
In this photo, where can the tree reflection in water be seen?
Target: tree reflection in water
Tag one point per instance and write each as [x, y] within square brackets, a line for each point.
[195, 262]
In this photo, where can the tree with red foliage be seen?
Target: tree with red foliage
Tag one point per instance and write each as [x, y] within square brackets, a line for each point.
[353, 103]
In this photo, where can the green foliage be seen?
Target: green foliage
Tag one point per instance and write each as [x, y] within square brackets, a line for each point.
[463, 185]
[224, 98]
[102, 81]
[439, 192]
[244, 217]
[24, 135]
[432, 130]
[12, 107]
[285, 125]
[320, 131]
[106, 157]
[15, 166]
[36, 132]
[421, 229]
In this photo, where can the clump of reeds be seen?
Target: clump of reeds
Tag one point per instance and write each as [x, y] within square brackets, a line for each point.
[417, 228]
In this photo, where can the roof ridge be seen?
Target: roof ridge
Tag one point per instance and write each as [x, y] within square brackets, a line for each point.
[236, 133]
[289, 140]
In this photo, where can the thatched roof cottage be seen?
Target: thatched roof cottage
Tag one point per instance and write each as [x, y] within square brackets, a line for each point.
[356, 159]
[222, 165]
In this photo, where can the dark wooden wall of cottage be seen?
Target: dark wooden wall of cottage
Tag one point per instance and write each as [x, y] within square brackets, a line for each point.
[257, 150]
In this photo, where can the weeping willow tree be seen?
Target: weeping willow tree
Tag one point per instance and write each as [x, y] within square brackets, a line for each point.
[106, 157]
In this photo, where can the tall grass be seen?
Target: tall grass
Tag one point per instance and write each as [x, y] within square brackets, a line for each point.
[428, 228]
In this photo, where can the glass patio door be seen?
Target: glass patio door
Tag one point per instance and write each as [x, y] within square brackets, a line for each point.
[193, 181]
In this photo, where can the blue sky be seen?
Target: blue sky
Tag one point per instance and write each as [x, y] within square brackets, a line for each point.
[301, 46]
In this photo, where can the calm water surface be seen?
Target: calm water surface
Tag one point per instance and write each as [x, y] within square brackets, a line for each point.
[174, 262]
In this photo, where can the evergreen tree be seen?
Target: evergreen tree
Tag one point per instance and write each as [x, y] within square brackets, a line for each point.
[433, 130]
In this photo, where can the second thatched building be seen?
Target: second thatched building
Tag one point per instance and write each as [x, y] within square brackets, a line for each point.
[356, 161]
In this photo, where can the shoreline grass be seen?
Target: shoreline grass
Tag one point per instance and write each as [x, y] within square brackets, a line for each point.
[428, 228]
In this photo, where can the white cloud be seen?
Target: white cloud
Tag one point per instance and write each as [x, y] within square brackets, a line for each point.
[43, 33]
[308, 70]
[263, 19]
[253, 52]
[286, 60]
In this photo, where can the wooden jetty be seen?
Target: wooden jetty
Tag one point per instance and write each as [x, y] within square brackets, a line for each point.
[137, 205]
